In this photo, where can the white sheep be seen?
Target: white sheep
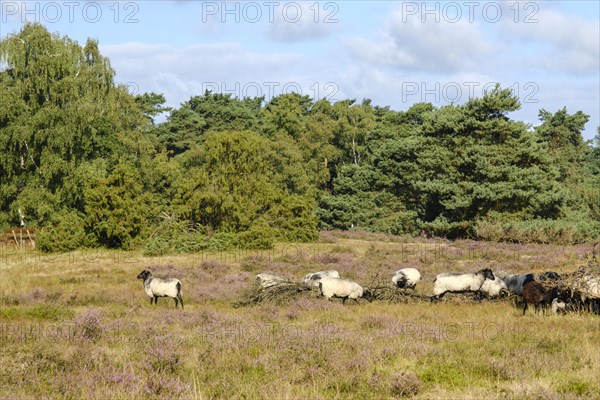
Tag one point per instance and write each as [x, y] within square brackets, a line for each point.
[406, 278]
[459, 282]
[158, 287]
[342, 288]
[267, 280]
[312, 278]
[558, 306]
[588, 285]
[494, 288]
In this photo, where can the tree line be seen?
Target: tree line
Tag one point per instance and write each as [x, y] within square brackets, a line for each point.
[85, 160]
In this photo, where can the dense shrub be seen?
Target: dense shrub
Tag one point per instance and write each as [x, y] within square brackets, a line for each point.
[66, 235]
[539, 231]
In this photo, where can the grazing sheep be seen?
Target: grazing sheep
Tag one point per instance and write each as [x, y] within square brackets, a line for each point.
[342, 288]
[458, 282]
[534, 293]
[312, 279]
[406, 278]
[587, 287]
[158, 287]
[558, 306]
[515, 283]
[494, 288]
[268, 280]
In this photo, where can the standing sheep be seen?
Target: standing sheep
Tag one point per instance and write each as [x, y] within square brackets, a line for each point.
[515, 283]
[312, 279]
[459, 283]
[342, 288]
[158, 287]
[406, 278]
[534, 293]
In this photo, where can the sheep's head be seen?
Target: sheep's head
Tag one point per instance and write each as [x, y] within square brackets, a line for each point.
[367, 295]
[401, 282]
[488, 274]
[144, 274]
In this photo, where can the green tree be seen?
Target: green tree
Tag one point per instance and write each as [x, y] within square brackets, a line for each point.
[59, 111]
[117, 207]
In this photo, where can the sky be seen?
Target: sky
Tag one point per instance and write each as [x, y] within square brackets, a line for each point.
[396, 53]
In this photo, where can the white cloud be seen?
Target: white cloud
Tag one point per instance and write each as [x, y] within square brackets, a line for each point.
[411, 44]
[563, 43]
[300, 21]
[180, 73]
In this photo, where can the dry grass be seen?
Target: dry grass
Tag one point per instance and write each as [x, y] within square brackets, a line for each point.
[80, 326]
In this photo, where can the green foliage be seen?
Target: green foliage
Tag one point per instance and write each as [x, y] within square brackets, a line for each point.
[61, 113]
[117, 208]
[83, 158]
[67, 235]
[577, 228]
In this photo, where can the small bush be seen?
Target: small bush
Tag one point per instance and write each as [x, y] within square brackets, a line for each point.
[88, 326]
[406, 384]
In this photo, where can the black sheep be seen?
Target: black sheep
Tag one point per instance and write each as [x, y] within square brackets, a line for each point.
[534, 293]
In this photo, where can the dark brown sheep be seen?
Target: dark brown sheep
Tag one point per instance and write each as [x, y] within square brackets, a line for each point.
[534, 293]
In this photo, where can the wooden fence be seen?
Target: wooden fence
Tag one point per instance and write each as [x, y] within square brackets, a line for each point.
[20, 237]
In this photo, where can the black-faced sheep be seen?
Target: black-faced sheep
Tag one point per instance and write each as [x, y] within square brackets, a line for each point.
[312, 279]
[158, 287]
[460, 282]
[342, 288]
[406, 278]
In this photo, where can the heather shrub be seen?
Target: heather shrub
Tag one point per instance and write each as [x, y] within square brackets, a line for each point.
[405, 384]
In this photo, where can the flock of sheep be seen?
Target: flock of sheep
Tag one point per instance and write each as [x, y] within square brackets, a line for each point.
[577, 290]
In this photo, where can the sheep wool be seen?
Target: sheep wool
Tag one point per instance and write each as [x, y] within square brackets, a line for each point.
[458, 283]
[493, 288]
[558, 306]
[158, 287]
[341, 288]
[312, 279]
[266, 280]
[406, 278]
[534, 293]
[515, 282]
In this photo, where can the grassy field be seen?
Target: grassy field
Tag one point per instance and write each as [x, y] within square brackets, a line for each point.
[79, 326]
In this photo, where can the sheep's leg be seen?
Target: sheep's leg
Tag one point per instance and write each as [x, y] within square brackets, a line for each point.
[155, 300]
[344, 300]
[151, 300]
[439, 296]
[356, 300]
[524, 308]
[176, 301]
[180, 299]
